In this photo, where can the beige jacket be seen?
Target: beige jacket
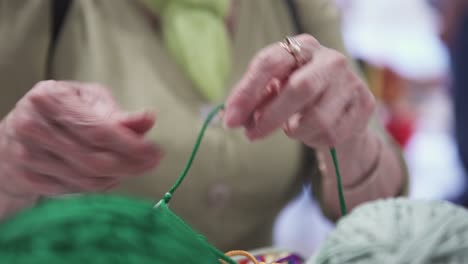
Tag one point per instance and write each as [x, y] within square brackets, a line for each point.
[235, 189]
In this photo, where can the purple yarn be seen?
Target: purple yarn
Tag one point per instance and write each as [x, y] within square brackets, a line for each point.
[291, 259]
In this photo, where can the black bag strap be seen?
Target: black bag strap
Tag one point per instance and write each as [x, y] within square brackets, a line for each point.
[59, 10]
[294, 16]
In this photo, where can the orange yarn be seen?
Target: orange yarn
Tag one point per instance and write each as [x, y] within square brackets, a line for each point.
[246, 254]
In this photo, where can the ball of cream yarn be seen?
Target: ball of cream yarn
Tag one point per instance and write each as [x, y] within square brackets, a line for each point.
[399, 231]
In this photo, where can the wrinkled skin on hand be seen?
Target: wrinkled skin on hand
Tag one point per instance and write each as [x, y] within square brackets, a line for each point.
[67, 137]
[322, 103]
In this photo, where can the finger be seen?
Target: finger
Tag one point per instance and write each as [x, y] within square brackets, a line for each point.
[318, 124]
[88, 93]
[358, 111]
[140, 122]
[41, 184]
[272, 62]
[272, 90]
[111, 165]
[31, 129]
[87, 161]
[303, 88]
[269, 93]
[94, 131]
[44, 168]
[72, 179]
[307, 131]
[21, 182]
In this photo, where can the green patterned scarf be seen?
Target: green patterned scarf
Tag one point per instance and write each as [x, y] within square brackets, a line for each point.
[195, 33]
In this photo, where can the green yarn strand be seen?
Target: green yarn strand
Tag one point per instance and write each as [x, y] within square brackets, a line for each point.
[339, 184]
[182, 176]
[211, 115]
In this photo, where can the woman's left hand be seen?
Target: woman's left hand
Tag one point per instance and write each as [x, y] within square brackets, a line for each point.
[316, 98]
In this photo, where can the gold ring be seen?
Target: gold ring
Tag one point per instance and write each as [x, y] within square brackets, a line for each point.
[293, 47]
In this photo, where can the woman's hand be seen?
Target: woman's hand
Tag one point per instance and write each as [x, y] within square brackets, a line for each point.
[321, 102]
[65, 137]
[313, 94]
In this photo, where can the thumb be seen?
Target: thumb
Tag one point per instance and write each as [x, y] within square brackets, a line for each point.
[139, 122]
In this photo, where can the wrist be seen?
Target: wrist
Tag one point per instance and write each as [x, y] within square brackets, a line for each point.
[366, 152]
[357, 157]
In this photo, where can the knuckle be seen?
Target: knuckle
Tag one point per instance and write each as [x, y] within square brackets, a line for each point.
[263, 62]
[339, 60]
[330, 137]
[365, 98]
[370, 103]
[22, 154]
[34, 96]
[42, 90]
[23, 125]
[302, 88]
[43, 85]
[245, 95]
[309, 40]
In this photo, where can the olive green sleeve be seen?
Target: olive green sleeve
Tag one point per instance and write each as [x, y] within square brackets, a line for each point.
[24, 31]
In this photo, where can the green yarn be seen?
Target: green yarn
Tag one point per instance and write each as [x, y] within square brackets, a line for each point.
[339, 185]
[399, 231]
[102, 230]
[182, 176]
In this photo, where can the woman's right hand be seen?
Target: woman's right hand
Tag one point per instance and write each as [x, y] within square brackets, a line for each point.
[68, 137]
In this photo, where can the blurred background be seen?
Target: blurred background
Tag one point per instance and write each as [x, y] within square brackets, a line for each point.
[403, 48]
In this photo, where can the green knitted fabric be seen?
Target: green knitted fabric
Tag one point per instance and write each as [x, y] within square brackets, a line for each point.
[195, 34]
[399, 231]
[101, 229]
